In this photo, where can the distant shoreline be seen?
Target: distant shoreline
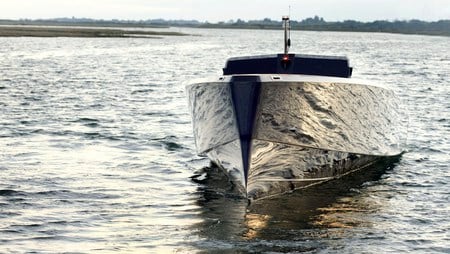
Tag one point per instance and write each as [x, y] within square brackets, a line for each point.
[66, 31]
[116, 28]
[435, 28]
[339, 29]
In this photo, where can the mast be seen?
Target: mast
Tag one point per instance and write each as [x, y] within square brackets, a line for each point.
[287, 34]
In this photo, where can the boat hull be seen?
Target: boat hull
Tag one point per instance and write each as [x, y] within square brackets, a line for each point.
[277, 168]
[276, 133]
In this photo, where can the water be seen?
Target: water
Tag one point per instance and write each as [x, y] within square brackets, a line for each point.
[97, 153]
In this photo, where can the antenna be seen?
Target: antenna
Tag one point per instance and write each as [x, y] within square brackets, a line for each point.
[287, 34]
[289, 31]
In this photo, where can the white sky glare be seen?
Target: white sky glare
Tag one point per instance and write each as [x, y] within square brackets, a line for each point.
[224, 10]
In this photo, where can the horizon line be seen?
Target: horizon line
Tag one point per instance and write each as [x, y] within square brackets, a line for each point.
[215, 22]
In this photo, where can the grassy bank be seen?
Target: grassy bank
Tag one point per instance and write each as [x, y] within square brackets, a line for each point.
[81, 23]
[44, 31]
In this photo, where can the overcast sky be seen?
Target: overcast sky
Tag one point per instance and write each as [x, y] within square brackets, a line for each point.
[224, 10]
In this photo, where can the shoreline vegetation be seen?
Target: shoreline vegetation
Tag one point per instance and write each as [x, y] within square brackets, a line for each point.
[74, 27]
[27, 31]
[437, 28]
[65, 31]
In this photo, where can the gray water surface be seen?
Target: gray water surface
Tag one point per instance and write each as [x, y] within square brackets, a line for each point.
[97, 153]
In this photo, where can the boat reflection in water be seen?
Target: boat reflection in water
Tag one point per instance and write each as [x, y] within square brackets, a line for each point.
[301, 219]
[290, 124]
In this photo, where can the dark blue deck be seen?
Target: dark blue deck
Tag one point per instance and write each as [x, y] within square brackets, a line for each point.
[334, 66]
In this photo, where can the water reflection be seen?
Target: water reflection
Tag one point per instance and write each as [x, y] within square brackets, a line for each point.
[222, 207]
[324, 211]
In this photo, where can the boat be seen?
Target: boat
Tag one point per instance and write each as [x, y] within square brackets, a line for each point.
[281, 122]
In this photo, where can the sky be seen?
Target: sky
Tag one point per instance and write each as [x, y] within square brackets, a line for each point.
[224, 10]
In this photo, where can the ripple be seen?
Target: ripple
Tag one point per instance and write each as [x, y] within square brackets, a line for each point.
[142, 91]
[86, 119]
[170, 143]
[9, 193]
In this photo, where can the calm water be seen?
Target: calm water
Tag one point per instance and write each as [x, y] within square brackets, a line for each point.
[97, 154]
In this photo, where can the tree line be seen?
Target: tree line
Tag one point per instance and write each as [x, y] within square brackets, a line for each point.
[441, 27]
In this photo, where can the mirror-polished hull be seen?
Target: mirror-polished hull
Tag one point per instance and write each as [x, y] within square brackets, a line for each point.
[276, 133]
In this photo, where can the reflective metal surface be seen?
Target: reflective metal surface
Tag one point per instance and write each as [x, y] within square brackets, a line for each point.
[229, 157]
[213, 117]
[344, 117]
[278, 168]
[305, 132]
